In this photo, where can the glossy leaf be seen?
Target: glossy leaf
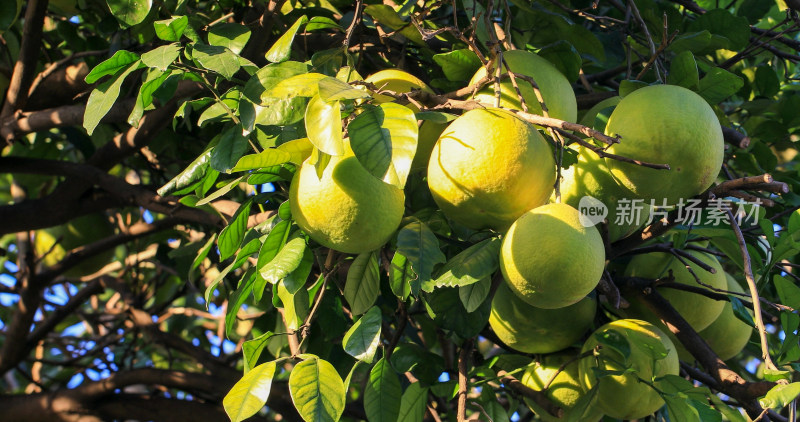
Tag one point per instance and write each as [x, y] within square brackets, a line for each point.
[363, 283]
[285, 261]
[267, 158]
[114, 64]
[719, 84]
[104, 96]
[161, 57]
[362, 339]
[458, 65]
[419, 245]
[780, 395]
[401, 276]
[269, 76]
[324, 126]
[475, 263]
[282, 49]
[237, 299]
[232, 36]
[295, 306]
[250, 393]
[384, 140]
[231, 147]
[251, 349]
[194, 172]
[171, 29]
[382, 394]
[683, 71]
[231, 236]
[317, 390]
[220, 192]
[130, 12]
[155, 78]
[216, 59]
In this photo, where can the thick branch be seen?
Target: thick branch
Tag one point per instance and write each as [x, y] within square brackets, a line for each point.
[24, 68]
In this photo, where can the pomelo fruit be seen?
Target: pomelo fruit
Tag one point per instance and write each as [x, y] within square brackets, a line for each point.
[489, 167]
[550, 259]
[563, 387]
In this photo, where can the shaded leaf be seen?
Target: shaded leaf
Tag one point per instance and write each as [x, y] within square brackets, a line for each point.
[231, 236]
[171, 29]
[161, 57]
[473, 295]
[194, 172]
[413, 403]
[232, 36]
[104, 96]
[683, 71]
[130, 12]
[114, 64]
[719, 84]
[382, 394]
[401, 276]
[419, 245]
[232, 146]
[458, 65]
[216, 59]
[295, 306]
[285, 261]
[475, 263]
[363, 283]
[251, 349]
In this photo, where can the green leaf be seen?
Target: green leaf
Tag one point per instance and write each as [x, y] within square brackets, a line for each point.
[161, 57]
[250, 393]
[114, 64]
[104, 96]
[216, 59]
[231, 236]
[719, 84]
[232, 146]
[201, 256]
[215, 282]
[780, 395]
[788, 292]
[282, 49]
[295, 306]
[451, 315]
[194, 172]
[267, 158]
[296, 280]
[627, 86]
[317, 390]
[776, 375]
[385, 15]
[458, 65]
[680, 409]
[155, 78]
[564, 57]
[303, 85]
[171, 29]
[251, 349]
[237, 299]
[382, 394]
[130, 12]
[232, 36]
[613, 340]
[220, 192]
[683, 71]
[475, 263]
[9, 12]
[285, 261]
[331, 89]
[324, 125]
[363, 283]
[274, 242]
[741, 311]
[413, 403]
[269, 76]
[435, 116]
[419, 245]
[722, 22]
[473, 295]
[767, 81]
[362, 339]
[384, 140]
[732, 414]
[401, 276]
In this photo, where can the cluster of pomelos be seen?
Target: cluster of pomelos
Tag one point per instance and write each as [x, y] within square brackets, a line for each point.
[490, 169]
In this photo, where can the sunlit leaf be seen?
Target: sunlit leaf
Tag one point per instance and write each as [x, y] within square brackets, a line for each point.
[250, 393]
[317, 390]
[362, 339]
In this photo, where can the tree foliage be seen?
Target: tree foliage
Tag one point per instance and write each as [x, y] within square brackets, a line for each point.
[184, 122]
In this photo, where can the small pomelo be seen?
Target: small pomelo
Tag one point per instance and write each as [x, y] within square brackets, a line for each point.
[536, 330]
[348, 209]
[563, 386]
[652, 354]
[550, 259]
[555, 88]
[728, 335]
[489, 167]
[698, 310]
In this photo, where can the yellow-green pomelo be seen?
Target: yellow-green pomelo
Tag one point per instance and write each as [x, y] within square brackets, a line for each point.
[536, 330]
[728, 335]
[402, 82]
[666, 124]
[489, 167]
[550, 259]
[397, 81]
[348, 209]
[563, 386]
[652, 354]
[55, 242]
[698, 310]
[555, 88]
[590, 177]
